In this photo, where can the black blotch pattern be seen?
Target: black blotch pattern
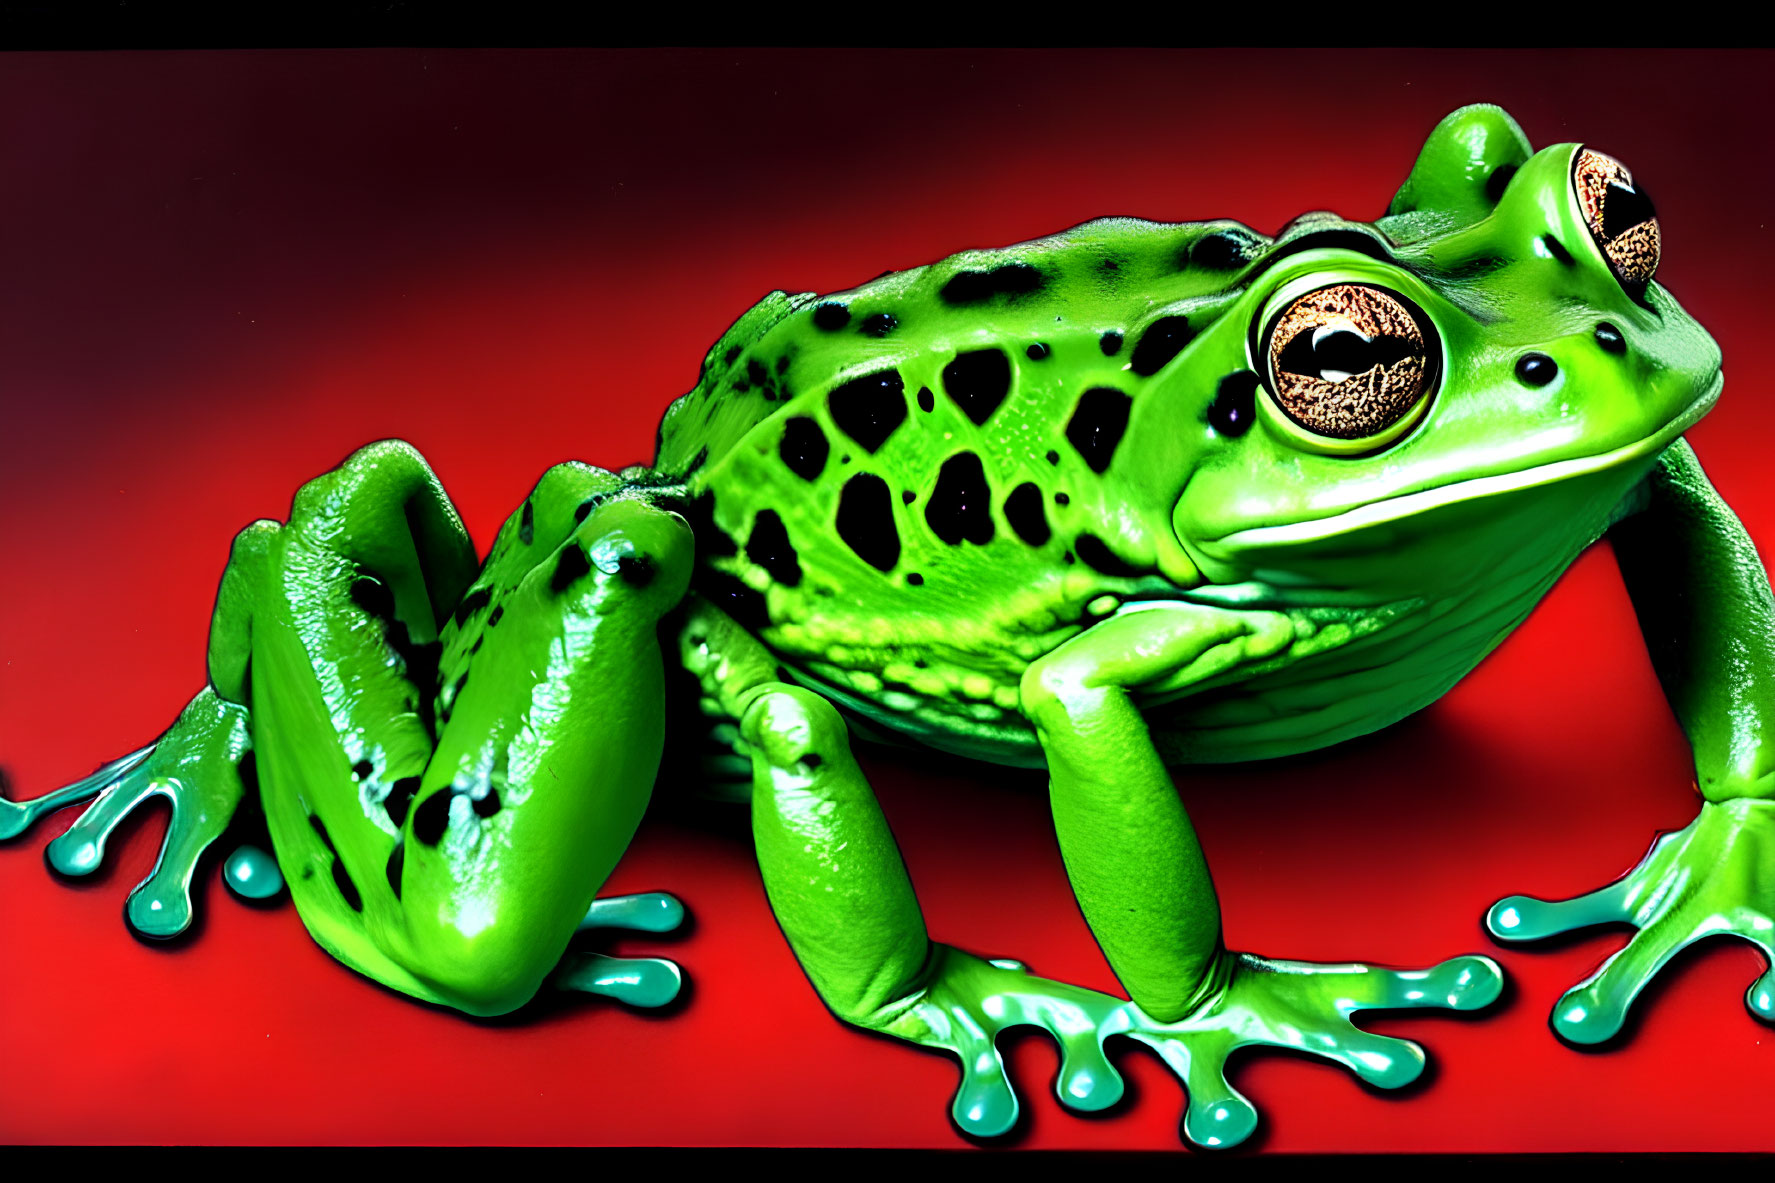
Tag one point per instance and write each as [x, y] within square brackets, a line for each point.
[868, 409]
[1498, 182]
[1099, 558]
[1097, 424]
[1062, 499]
[476, 647]
[812, 760]
[570, 566]
[527, 524]
[362, 769]
[915, 579]
[879, 324]
[1160, 343]
[1009, 279]
[1053, 457]
[804, 448]
[1610, 338]
[907, 496]
[712, 542]
[927, 402]
[400, 799]
[487, 804]
[770, 548]
[782, 366]
[978, 382]
[1222, 250]
[372, 595]
[866, 521]
[959, 508]
[1023, 509]
[732, 355]
[636, 570]
[348, 889]
[1110, 343]
[727, 593]
[419, 665]
[397, 859]
[831, 317]
[1536, 369]
[756, 373]
[1235, 403]
[1037, 352]
[498, 612]
[432, 817]
[473, 602]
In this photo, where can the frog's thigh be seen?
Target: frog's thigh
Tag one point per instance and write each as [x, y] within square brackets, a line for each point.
[1129, 848]
[834, 876]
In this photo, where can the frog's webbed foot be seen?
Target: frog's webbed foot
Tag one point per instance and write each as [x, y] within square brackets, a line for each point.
[197, 766]
[1710, 878]
[1295, 1004]
[967, 1001]
[636, 981]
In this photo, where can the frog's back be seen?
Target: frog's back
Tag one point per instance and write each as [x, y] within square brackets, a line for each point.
[912, 489]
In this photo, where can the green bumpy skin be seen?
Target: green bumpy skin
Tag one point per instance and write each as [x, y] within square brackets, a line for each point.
[1135, 496]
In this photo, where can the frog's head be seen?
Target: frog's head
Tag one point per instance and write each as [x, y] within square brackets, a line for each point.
[1474, 381]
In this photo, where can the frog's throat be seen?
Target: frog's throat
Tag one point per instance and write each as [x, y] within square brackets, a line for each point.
[1409, 505]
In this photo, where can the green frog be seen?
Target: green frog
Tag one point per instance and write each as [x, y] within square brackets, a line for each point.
[1129, 498]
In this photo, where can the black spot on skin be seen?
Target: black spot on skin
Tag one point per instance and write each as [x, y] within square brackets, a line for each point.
[308, 872]
[959, 507]
[1536, 369]
[1610, 338]
[1037, 352]
[712, 542]
[476, 647]
[978, 382]
[1498, 182]
[570, 566]
[1235, 404]
[1097, 424]
[1222, 250]
[727, 593]
[831, 317]
[770, 548]
[878, 325]
[1099, 558]
[1023, 509]
[1062, 499]
[1009, 279]
[320, 828]
[498, 612]
[804, 448]
[1557, 249]
[1160, 343]
[732, 355]
[527, 525]
[866, 521]
[400, 799]
[486, 805]
[782, 366]
[915, 579]
[812, 760]
[927, 402]
[432, 817]
[372, 595]
[1110, 343]
[397, 859]
[346, 887]
[756, 373]
[868, 409]
[362, 769]
[907, 497]
[1067, 558]
[473, 602]
[636, 570]
[1053, 457]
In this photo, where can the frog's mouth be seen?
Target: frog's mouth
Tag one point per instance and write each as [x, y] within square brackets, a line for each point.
[1411, 505]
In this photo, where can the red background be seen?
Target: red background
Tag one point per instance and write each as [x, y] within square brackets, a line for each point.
[221, 272]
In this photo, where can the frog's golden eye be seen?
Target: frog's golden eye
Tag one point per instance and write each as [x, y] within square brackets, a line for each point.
[1620, 216]
[1349, 361]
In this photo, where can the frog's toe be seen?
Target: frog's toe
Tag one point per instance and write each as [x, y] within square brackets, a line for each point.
[633, 981]
[1526, 918]
[1595, 1009]
[652, 911]
[18, 816]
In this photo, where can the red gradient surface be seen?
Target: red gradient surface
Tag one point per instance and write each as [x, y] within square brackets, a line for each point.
[221, 272]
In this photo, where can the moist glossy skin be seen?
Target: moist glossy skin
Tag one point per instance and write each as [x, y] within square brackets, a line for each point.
[1126, 498]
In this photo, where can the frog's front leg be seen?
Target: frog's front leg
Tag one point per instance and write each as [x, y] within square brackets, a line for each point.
[1708, 616]
[1143, 884]
[840, 891]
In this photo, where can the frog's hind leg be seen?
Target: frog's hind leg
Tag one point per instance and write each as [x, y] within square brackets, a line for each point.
[445, 832]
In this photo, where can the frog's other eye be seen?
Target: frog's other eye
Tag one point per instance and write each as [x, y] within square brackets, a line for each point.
[1349, 362]
[1620, 216]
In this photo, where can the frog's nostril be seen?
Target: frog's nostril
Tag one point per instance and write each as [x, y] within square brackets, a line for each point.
[1536, 369]
[1610, 338]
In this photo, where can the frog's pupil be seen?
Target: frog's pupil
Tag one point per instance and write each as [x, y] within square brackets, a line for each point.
[1312, 352]
[1623, 209]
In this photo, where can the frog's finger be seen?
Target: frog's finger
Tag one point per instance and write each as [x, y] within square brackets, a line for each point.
[18, 816]
[985, 1104]
[1525, 918]
[635, 981]
[160, 906]
[1594, 1009]
[652, 911]
[1381, 1060]
[1217, 1115]
[1087, 1080]
[81, 850]
[1468, 982]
